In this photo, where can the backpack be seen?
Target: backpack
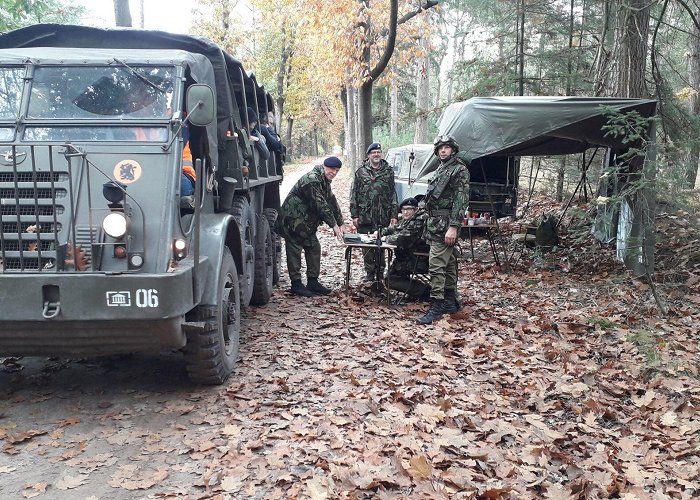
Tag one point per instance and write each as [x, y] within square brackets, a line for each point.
[546, 233]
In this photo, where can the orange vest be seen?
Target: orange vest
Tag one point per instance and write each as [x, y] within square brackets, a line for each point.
[187, 167]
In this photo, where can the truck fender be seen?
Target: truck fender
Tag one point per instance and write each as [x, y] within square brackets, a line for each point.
[216, 232]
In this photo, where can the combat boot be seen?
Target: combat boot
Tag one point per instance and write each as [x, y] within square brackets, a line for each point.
[437, 309]
[314, 286]
[452, 304]
[298, 288]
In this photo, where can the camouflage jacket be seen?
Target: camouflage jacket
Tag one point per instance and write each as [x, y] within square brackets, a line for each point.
[373, 196]
[446, 199]
[407, 236]
[309, 204]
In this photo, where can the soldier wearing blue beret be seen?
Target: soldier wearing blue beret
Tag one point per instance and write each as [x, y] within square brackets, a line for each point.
[373, 203]
[309, 204]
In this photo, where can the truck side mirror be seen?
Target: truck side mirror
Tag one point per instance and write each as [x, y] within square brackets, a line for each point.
[200, 104]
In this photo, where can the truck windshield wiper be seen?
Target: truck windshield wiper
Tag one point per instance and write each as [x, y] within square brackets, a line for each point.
[140, 76]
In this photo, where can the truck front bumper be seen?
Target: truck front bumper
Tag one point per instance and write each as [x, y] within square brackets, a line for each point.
[93, 314]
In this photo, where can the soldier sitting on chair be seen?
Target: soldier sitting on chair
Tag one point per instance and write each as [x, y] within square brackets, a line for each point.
[406, 235]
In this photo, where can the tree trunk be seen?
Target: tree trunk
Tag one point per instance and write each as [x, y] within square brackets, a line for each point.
[393, 124]
[638, 35]
[141, 15]
[279, 111]
[570, 52]
[288, 138]
[122, 14]
[521, 47]
[348, 98]
[631, 55]
[422, 95]
[694, 81]
[364, 101]
[561, 171]
[602, 60]
[634, 222]
[364, 96]
[438, 81]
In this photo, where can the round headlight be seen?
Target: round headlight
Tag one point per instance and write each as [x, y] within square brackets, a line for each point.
[115, 225]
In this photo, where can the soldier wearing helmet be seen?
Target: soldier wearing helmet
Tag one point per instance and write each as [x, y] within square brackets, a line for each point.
[407, 235]
[446, 201]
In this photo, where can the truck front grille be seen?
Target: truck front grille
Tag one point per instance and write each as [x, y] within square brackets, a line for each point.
[31, 210]
[29, 227]
[33, 199]
[31, 194]
[11, 177]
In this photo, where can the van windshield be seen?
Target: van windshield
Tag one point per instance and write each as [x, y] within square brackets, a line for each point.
[101, 92]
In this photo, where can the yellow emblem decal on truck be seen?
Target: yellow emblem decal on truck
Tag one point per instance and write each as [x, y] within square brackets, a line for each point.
[127, 171]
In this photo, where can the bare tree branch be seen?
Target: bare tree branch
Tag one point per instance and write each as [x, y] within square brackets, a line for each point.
[690, 13]
[394, 22]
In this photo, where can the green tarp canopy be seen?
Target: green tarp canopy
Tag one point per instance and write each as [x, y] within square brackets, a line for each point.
[558, 125]
[533, 125]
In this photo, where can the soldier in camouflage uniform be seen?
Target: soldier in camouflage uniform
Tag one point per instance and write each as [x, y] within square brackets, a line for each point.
[309, 204]
[373, 203]
[446, 201]
[407, 235]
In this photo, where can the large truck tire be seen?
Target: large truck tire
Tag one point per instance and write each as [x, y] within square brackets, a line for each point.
[271, 216]
[211, 352]
[243, 213]
[264, 263]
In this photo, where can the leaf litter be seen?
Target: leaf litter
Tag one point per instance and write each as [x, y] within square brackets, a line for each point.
[550, 383]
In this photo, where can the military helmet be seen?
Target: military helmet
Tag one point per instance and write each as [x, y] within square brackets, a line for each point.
[445, 140]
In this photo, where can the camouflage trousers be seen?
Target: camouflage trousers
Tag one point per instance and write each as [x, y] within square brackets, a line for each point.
[370, 255]
[443, 269]
[312, 254]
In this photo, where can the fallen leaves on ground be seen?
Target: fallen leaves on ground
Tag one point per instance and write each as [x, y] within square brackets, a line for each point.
[552, 382]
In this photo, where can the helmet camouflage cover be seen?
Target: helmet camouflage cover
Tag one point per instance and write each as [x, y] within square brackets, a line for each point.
[445, 140]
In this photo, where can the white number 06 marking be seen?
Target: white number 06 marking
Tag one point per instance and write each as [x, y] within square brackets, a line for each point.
[147, 297]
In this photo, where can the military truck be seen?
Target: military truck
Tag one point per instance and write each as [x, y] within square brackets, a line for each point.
[100, 252]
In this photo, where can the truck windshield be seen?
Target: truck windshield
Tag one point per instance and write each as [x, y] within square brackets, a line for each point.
[11, 82]
[106, 93]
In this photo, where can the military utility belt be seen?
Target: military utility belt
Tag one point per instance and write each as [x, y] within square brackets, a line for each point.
[439, 213]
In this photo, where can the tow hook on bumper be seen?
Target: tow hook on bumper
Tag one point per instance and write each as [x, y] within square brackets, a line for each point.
[51, 295]
[51, 309]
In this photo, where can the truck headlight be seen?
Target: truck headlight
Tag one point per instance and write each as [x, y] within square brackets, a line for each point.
[180, 249]
[115, 225]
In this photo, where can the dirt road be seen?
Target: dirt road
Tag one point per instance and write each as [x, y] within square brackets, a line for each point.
[547, 384]
[116, 427]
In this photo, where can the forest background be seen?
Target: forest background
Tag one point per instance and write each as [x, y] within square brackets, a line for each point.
[350, 72]
[621, 421]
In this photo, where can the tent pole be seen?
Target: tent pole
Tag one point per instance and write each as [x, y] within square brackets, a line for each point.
[493, 211]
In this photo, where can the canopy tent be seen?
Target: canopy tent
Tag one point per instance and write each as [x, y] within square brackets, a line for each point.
[529, 126]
